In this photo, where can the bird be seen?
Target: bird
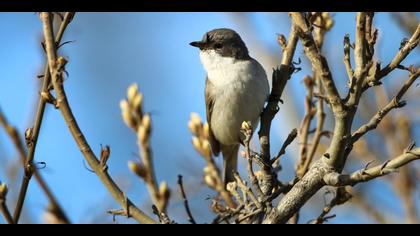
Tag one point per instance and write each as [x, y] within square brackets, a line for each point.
[236, 90]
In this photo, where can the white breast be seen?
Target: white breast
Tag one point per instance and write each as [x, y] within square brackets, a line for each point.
[241, 89]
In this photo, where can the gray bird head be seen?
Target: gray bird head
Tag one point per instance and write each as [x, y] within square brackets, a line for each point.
[225, 42]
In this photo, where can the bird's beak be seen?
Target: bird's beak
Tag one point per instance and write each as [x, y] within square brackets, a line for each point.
[198, 44]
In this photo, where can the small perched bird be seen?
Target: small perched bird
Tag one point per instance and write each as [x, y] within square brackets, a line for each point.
[236, 90]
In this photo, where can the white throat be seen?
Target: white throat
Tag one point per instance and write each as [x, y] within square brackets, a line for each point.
[220, 70]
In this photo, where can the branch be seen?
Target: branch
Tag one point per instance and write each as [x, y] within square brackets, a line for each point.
[363, 175]
[360, 51]
[63, 105]
[279, 80]
[394, 103]
[318, 62]
[28, 166]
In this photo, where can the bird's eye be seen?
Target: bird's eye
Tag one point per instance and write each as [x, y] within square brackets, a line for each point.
[218, 45]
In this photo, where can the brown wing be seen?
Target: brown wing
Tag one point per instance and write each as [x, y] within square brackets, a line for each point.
[215, 145]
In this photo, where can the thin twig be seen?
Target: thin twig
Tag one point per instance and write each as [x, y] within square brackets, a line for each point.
[184, 197]
[63, 104]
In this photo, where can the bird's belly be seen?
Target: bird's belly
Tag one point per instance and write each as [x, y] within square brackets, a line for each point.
[234, 104]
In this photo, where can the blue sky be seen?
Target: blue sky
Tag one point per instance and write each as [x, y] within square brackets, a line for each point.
[113, 50]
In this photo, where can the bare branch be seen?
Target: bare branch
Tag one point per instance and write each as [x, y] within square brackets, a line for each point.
[336, 179]
[63, 104]
[28, 166]
[279, 80]
[319, 63]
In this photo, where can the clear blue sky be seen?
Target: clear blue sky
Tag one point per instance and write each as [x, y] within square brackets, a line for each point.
[113, 50]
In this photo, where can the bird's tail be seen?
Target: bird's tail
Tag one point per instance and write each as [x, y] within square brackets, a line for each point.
[230, 161]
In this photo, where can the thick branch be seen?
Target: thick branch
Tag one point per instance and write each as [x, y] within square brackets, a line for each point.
[77, 134]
